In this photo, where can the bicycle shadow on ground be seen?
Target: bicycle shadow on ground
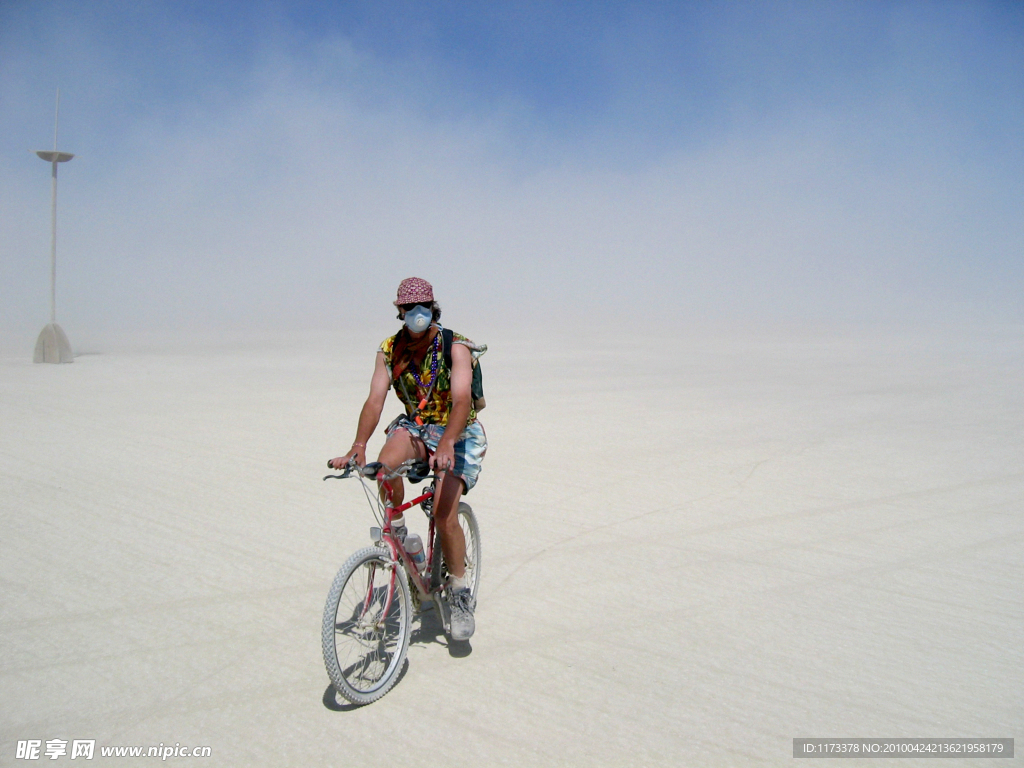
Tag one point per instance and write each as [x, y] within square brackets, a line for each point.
[431, 630]
[428, 629]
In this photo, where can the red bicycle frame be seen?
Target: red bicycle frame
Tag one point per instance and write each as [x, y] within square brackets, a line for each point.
[397, 549]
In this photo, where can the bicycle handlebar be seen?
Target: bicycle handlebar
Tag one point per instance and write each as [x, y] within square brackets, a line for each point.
[414, 469]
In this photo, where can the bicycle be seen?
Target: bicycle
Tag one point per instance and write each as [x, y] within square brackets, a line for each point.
[368, 615]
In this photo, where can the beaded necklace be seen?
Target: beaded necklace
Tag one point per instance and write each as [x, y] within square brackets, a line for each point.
[433, 365]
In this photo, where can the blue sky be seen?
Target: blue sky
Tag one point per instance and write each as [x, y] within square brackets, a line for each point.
[246, 162]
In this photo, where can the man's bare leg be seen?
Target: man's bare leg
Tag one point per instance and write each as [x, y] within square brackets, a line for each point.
[453, 543]
[400, 446]
[446, 515]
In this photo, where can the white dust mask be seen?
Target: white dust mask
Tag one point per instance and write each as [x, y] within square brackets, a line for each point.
[418, 319]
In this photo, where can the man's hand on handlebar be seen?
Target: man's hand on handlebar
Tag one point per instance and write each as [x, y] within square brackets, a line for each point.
[358, 453]
[444, 457]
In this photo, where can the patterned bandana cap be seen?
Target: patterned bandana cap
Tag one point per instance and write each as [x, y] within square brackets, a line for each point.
[414, 290]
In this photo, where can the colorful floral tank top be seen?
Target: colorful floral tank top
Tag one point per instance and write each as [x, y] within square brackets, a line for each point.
[439, 404]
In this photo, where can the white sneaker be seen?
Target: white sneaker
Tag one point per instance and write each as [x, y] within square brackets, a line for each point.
[462, 605]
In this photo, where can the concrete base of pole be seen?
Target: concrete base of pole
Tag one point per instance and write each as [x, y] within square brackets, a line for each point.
[53, 346]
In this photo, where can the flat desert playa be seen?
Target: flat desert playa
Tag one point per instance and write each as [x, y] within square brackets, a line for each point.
[695, 549]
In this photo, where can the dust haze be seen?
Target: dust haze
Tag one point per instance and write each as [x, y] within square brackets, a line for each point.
[295, 189]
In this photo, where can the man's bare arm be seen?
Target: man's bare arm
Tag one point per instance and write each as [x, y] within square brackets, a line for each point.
[369, 416]
[461, 388]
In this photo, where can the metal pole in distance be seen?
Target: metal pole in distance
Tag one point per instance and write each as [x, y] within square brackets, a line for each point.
[52, 346]
[53, 243]
[53, 217]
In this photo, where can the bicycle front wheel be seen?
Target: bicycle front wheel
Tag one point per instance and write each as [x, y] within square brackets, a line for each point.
[366, 626]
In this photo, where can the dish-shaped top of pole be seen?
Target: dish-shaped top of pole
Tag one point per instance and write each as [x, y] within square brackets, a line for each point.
[53, 156]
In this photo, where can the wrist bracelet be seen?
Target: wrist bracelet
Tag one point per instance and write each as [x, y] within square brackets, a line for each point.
[363, 445]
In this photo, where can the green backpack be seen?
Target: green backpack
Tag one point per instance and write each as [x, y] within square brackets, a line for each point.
[479, 403]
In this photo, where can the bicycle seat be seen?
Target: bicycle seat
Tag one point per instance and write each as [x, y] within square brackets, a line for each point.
[418, 472]
[371, 470]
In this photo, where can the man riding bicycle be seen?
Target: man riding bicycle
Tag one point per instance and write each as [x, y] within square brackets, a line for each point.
[439, 416]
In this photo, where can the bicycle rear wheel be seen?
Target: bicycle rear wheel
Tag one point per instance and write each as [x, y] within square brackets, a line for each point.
[366, 627]
[471, 531]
